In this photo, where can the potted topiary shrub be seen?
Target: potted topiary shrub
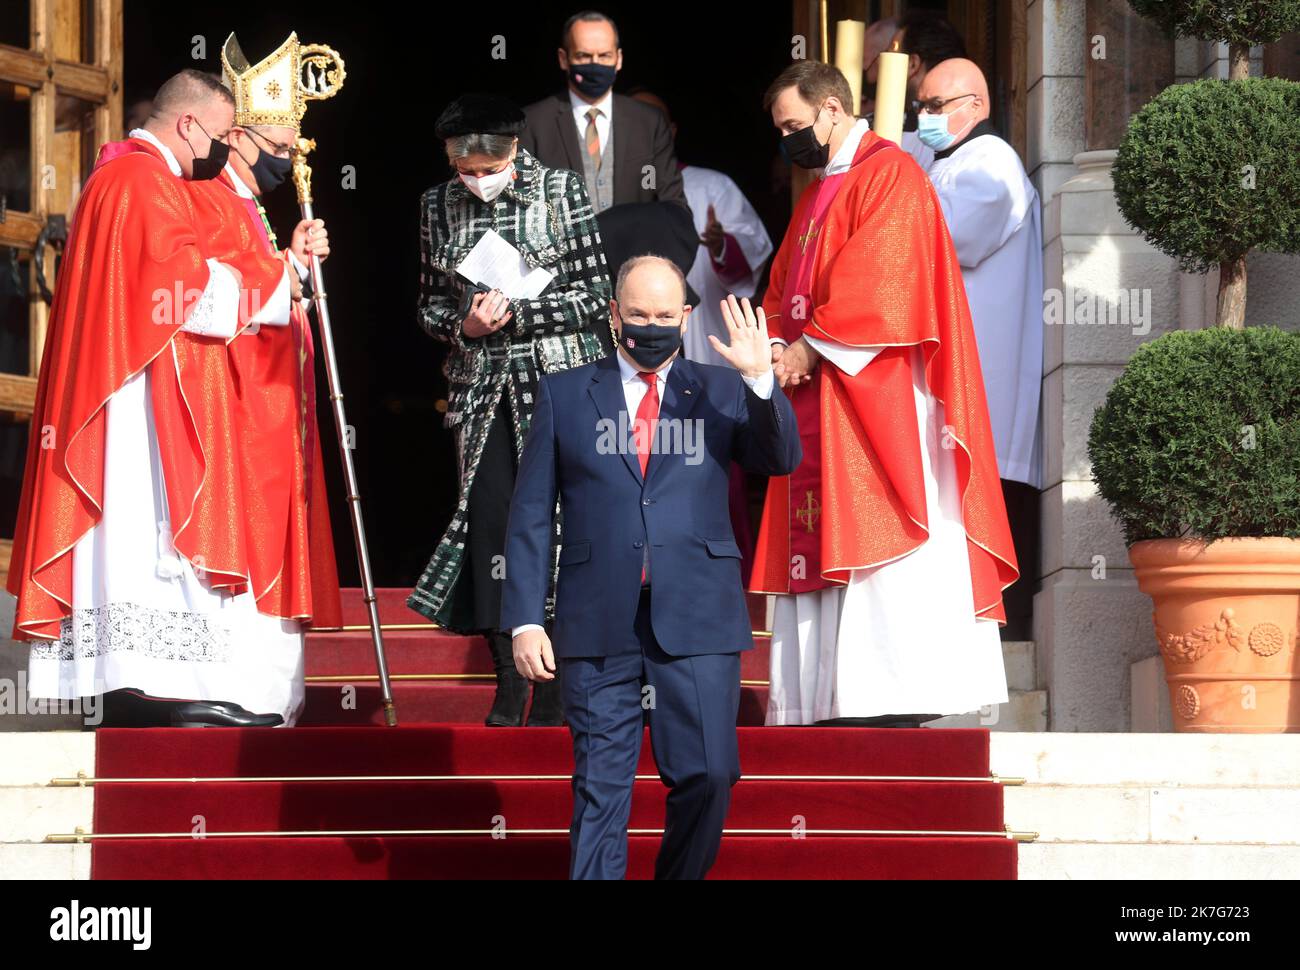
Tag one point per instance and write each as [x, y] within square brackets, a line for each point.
[1238, 23]
[1197, 450]
[1197, 446]
[1208, 171]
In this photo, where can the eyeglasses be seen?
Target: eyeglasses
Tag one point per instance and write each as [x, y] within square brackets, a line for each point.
[935, 106]
[277, 149]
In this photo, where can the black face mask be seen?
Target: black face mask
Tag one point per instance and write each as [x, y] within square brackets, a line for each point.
[270, 172]
[803, 149]
[649, 344]
[211, 165]
[593, 80]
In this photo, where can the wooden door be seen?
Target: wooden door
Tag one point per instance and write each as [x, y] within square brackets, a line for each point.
[60, 99]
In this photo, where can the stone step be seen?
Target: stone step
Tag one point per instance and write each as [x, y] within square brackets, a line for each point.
[30, 814]
[1073, 860]
[1134, 814]
[1025, 710]
[1154, 806]
[20, 861]
[14, 708]
[1149, 760]
[35, 758]
[1018, 658]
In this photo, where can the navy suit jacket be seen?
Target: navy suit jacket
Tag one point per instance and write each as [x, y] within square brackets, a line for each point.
[577, 450]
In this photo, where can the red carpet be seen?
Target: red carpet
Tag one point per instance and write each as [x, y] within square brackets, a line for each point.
[543, 857]
[441, 735]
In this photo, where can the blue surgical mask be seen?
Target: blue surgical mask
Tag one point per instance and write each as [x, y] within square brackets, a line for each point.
[936, 130]
[933, 131]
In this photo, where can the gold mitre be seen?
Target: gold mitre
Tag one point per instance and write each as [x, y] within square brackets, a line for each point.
[276, 91]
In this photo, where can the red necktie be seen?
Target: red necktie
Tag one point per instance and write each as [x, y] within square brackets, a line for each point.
[647, 416]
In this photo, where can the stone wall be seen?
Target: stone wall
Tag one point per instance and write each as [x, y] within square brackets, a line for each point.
[1091, 624]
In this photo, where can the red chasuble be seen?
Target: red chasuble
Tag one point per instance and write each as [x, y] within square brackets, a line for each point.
[284, 477]
[868, 262]
[133, 266]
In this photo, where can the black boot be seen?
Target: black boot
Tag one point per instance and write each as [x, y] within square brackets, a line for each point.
[512, 687]
[548, 705]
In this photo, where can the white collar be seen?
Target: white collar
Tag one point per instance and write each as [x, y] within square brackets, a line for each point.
[241, 190]
[167, 155]
[630, 373]
[605, 104]
[844, 157]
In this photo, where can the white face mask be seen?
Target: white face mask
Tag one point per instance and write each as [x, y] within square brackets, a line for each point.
[488, 187]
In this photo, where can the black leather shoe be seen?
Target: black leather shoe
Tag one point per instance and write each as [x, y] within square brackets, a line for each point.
[128, 708]
[512, 687]
[220, 714]
[881, 721]
[548, 706]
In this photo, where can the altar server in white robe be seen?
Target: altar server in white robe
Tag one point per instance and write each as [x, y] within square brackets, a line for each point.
[734, 247]
[993, 215]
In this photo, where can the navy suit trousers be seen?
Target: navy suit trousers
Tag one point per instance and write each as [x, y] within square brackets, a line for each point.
[691, 704]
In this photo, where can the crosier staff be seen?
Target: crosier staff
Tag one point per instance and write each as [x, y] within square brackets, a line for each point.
[302, 182]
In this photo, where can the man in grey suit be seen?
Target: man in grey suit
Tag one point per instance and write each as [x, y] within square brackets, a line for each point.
[621, 147]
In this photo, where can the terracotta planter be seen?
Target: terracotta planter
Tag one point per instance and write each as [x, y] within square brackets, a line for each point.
[1226, 616]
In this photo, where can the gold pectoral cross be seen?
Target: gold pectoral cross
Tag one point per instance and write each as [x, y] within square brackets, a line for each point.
[809, 513]
[808, 236]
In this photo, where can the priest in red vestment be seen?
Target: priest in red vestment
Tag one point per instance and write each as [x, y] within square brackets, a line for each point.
[888, 548]
[138, 558]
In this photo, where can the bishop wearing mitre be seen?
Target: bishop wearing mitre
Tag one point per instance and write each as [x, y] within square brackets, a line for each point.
[888, 547]
[138, 560]
[274, 367]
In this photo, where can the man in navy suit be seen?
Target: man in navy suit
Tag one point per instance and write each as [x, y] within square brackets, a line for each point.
[650, 606]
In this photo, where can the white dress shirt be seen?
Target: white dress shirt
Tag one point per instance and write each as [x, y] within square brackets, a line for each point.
[635, 388]
[603, 120]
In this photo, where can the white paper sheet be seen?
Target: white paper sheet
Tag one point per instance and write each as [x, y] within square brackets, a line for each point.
[496, 264]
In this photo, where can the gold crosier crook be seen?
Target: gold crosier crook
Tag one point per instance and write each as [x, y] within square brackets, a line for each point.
[302, 182]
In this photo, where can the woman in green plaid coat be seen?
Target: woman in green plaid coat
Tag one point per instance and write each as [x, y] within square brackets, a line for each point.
[497, 348]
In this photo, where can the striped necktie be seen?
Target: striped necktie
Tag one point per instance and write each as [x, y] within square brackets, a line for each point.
[593, 137]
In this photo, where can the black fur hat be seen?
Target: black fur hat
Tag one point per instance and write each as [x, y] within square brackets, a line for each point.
[480, 114]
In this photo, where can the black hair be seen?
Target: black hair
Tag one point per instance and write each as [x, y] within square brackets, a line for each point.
[930, 37]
